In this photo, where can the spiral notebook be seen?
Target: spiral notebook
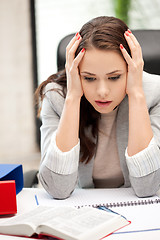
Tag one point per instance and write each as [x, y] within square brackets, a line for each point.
[118, 197]
[142, 212]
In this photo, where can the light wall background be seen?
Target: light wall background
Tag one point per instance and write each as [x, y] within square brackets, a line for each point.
[17, 121]
[58, 18]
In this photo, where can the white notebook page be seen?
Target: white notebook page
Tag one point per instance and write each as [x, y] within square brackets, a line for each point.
[142, 217]
[93, 197]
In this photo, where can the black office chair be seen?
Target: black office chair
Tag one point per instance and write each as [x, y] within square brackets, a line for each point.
[148, 39]
[30, 178]
[61, 51]
[150, 43]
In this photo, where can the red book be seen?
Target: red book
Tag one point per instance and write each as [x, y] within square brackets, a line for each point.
[8, 203]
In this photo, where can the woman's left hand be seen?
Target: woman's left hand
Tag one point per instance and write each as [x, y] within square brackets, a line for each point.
[135, 64]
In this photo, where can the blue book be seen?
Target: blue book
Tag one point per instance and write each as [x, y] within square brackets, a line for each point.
[12, 172]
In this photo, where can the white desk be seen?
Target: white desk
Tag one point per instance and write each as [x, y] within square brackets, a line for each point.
[26, 201]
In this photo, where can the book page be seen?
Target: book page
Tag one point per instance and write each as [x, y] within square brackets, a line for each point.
[94, 197]
[76, 221]
[84, 221]
[53, 214]
[69, 220]
[25, 224]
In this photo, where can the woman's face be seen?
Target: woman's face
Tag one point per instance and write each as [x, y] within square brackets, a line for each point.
[103, 76]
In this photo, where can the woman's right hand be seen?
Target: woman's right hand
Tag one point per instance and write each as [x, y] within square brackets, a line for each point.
[74, 86]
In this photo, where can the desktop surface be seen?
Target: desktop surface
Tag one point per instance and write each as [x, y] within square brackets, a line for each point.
[29, 198]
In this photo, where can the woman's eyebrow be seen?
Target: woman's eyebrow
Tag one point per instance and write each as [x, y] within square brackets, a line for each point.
[115, 71]
[87, 73]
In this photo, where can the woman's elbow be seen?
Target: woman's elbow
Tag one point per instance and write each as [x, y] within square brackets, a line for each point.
[58, 186]
[146, 186]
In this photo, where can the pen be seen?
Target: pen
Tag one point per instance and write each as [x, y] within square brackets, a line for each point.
[109, 210]
[36, 199]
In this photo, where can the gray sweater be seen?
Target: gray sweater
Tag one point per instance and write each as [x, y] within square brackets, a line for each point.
[61, 172]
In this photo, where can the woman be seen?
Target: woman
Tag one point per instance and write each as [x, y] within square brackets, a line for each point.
[101, 115]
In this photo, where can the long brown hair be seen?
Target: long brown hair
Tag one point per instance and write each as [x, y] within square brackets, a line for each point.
[105, 33]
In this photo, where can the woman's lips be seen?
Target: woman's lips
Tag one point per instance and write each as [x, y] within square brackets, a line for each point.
[103, 103]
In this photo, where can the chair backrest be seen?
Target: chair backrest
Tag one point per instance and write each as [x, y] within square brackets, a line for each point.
[148, 39]
[61, 51]
[150, 43]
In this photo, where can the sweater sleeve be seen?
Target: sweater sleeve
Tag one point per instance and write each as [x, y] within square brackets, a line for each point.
[58, 170]
[61, 162]
[144, 162]
[144, 167]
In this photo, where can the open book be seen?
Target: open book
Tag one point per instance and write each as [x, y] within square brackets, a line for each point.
[65, 222]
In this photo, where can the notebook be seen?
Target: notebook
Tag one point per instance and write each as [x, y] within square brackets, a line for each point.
[117, 197]
[144, 213]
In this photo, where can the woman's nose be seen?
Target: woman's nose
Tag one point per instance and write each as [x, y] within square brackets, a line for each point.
[103, 89]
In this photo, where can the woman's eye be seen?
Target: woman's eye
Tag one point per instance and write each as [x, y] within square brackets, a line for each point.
[89, 79]
[115, 77]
